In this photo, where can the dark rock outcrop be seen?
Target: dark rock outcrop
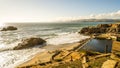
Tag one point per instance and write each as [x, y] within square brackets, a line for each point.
[118, 38]
[30, 42]
[101, 28]
[9, 28]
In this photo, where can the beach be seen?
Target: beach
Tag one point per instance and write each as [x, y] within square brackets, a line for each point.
[55, 35]
[74, 55]
[45, 57]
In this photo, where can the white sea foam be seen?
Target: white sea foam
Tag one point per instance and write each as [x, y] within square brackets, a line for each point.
[10, 59]
[8, 46]
[64, 38]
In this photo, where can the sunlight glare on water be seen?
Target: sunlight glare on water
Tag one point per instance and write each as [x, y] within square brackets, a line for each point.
[2, 24]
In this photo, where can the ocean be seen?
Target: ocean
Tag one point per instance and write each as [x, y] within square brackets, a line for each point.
[53, 33]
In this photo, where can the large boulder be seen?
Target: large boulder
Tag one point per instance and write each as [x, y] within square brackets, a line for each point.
[9, 28]
[30, 42]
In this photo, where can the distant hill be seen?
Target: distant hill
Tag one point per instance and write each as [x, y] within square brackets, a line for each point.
[95, 20]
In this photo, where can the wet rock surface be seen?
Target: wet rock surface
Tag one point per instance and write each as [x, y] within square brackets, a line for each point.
[29, 42]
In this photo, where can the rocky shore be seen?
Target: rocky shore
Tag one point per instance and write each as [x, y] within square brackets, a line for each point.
[101, 28]
[71, 56]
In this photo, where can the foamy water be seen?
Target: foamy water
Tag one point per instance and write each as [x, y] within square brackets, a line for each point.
[55, 34]
[4, 47]
[64, 38]
[10, 59]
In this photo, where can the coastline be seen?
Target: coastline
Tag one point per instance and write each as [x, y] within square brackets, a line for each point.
[50, 50]
[71, 55]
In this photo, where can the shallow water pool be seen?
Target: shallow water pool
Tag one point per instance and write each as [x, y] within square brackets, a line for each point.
[98, 45]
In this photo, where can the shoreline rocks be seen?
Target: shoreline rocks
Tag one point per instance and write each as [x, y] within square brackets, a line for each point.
[101, 28]
[9, 28]
[29, 42]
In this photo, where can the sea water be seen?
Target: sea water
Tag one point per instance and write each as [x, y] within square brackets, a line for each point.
[53, 33]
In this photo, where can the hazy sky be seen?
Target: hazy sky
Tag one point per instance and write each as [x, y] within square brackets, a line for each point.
[50, 10]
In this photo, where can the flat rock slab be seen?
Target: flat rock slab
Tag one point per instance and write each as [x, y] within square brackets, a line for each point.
[109, 64]
[116, 46]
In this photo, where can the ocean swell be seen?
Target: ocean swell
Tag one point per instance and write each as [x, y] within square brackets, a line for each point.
[64, 38]
[10, 59]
